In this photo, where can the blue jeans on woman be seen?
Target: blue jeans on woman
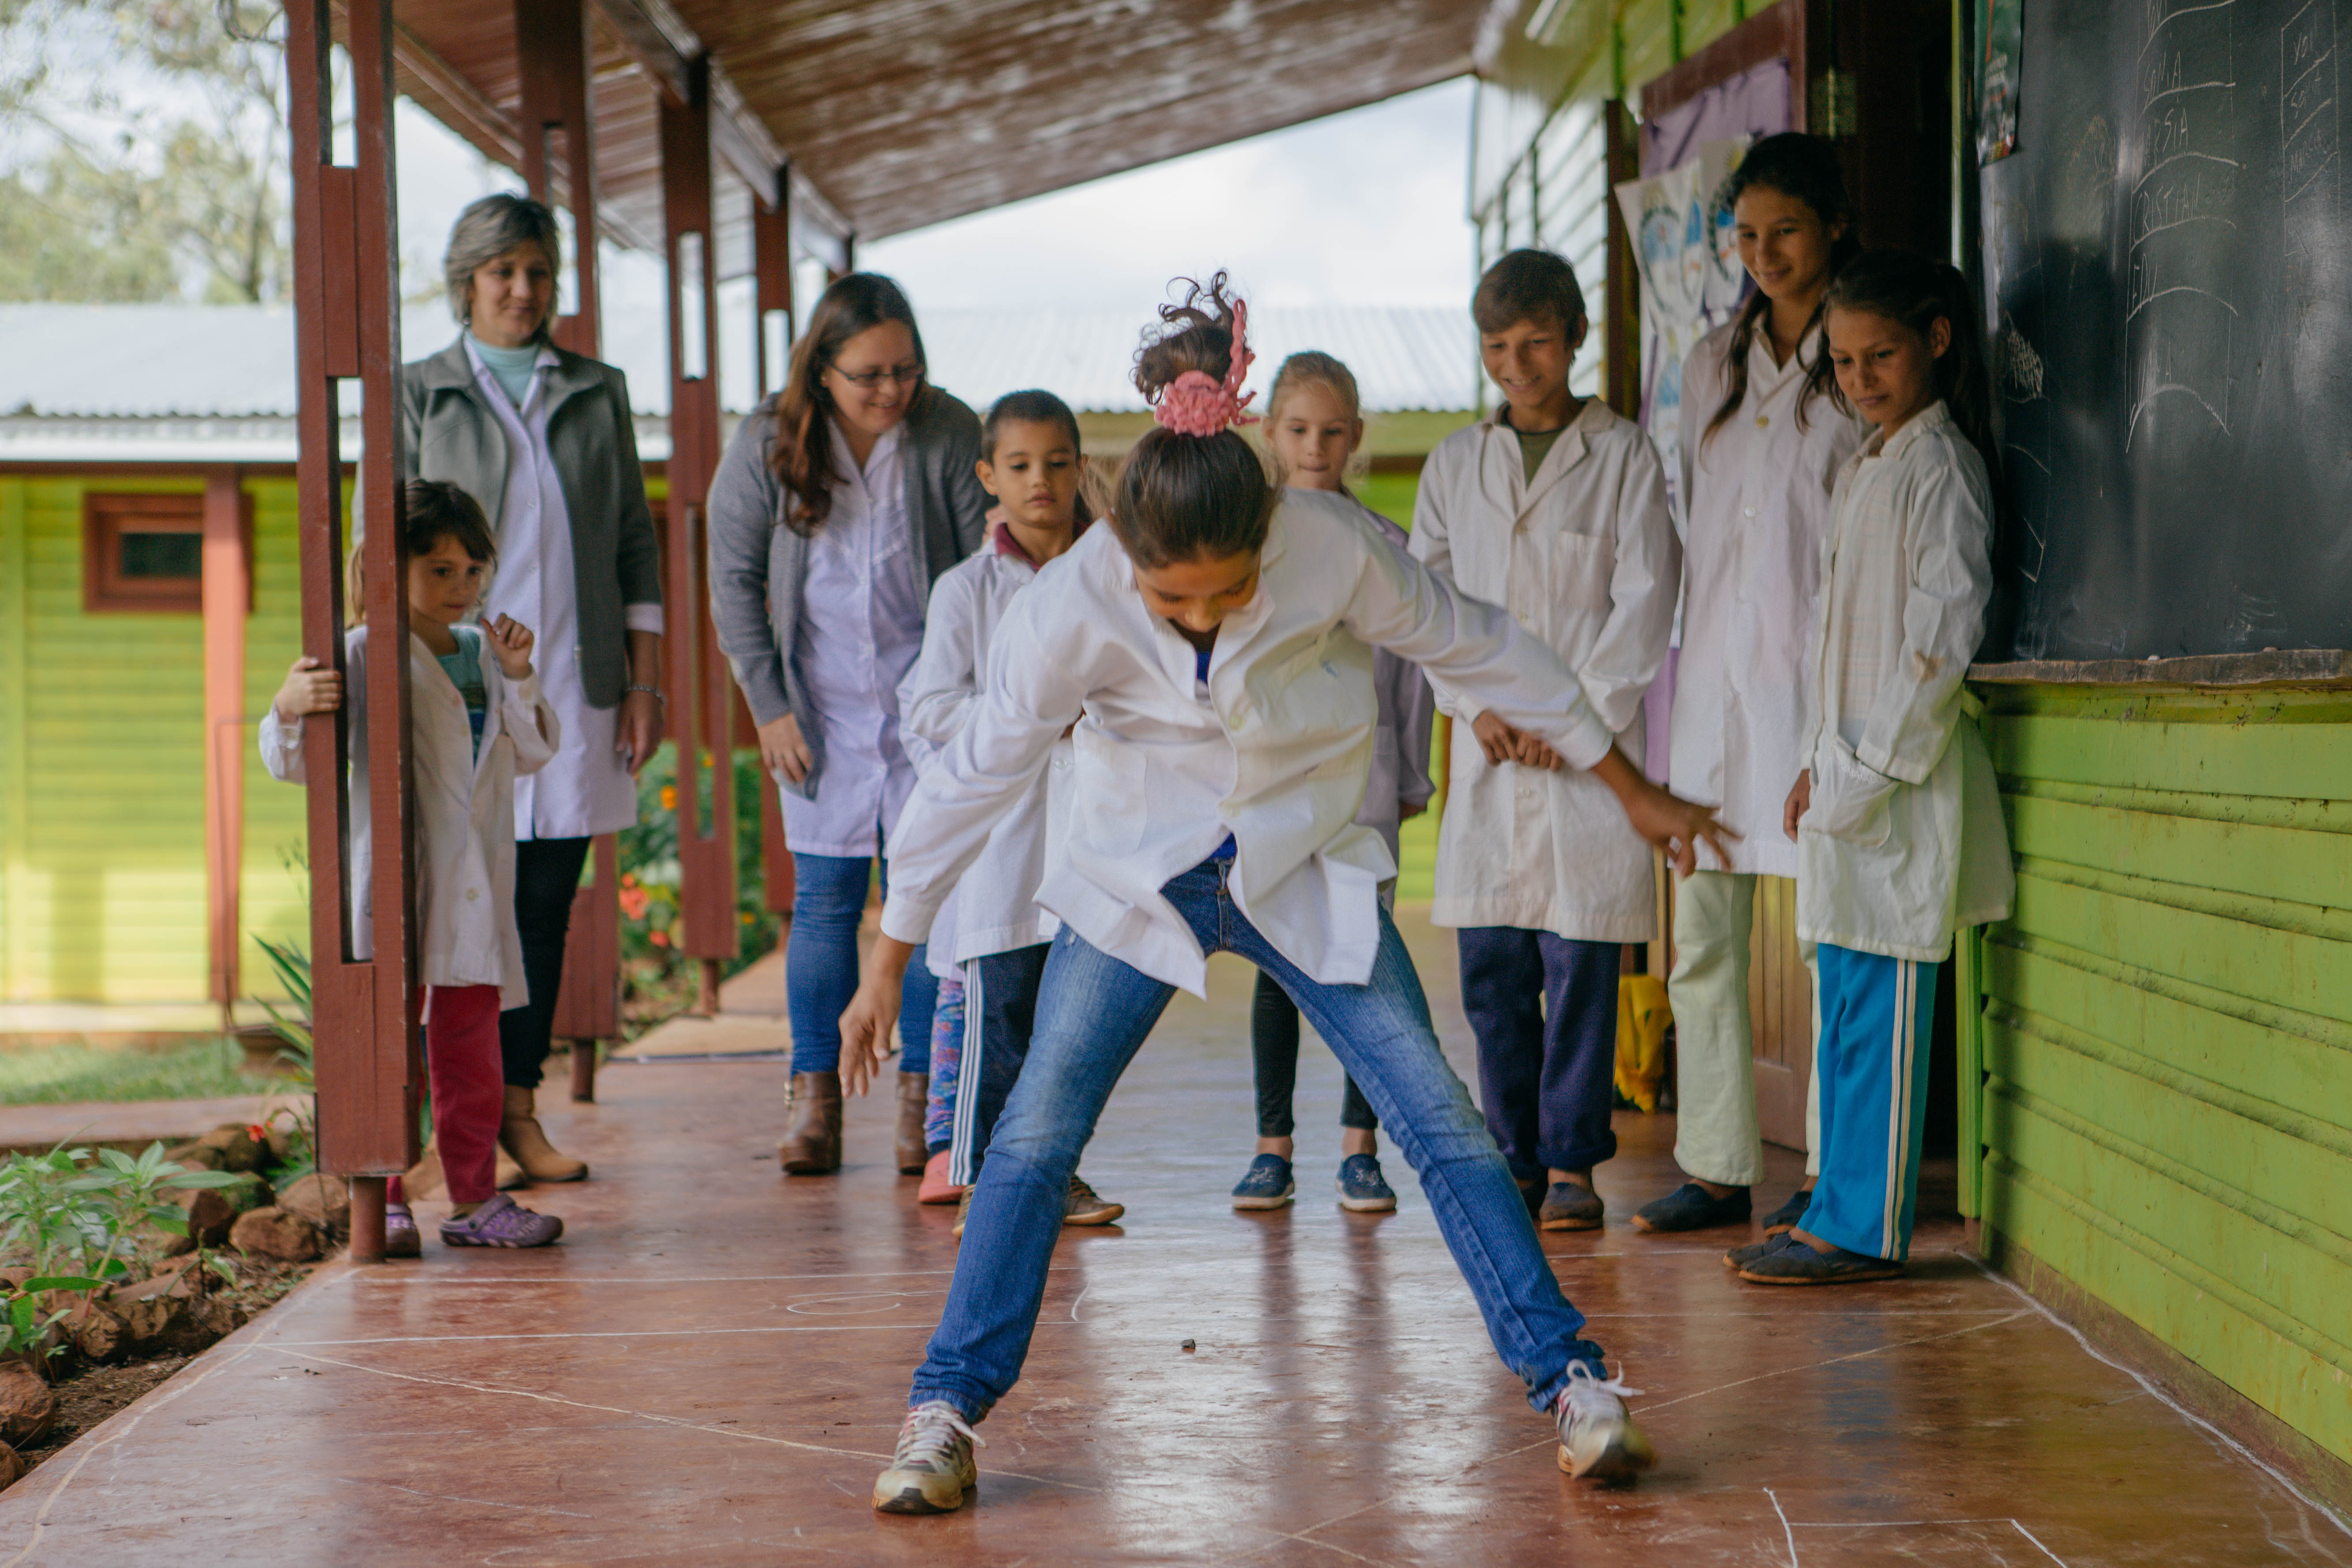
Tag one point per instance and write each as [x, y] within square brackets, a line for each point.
[820, 965]
[1093, 1012]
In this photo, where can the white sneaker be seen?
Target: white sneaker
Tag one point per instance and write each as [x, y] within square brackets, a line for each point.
[1598, 1440]
[932, 1468]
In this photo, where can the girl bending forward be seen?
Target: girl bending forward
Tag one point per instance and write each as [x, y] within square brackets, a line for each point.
[1213, 648]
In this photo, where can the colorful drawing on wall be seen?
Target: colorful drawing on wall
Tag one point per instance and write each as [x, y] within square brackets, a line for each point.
[1691, 281]
[2000, 31]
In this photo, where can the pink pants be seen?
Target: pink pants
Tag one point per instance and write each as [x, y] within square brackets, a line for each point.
[469, 1077]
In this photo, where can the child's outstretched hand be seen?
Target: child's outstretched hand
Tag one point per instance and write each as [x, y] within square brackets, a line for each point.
[310, 687]
[1666, 820]
[511, 641]
[872, 1014]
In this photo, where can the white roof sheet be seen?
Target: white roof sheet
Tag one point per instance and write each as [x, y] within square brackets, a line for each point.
[152, 362]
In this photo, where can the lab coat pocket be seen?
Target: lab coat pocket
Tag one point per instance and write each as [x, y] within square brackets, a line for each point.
[1580, 566]
[1111, 781]
[1851, 800]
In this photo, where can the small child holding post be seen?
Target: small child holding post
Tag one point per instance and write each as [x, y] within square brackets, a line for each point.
[475, 721]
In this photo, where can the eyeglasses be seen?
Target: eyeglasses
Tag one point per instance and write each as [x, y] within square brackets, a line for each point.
[865, 380]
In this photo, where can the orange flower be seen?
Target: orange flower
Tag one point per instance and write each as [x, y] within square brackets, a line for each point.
[634, 900]
[669, 797]
[257, 1131]
[658, 938]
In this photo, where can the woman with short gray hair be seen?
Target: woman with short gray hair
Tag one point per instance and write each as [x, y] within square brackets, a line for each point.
[543, 439]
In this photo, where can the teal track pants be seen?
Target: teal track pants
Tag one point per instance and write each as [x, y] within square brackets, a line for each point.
[1877, 1028]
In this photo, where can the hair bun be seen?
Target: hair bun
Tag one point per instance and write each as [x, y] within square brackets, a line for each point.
[1194, 334]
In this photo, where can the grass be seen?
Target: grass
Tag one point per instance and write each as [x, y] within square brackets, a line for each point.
[56, 1075]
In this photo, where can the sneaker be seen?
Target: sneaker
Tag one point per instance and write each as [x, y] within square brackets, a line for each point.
[400, 1235]
[1267, 1185]
[1793, 1262]
[963, 1213]
[1569, 1207]
[1742, 1256]
[1789, 1216]
[1362, 1189]
[936, 1187]
[1598, 1440]
[1084, 1206]
[501, 1222]
[1691, 1207]
[931, 1469]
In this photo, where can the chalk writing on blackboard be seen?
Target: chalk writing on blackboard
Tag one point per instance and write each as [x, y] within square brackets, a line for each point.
[2180, 304]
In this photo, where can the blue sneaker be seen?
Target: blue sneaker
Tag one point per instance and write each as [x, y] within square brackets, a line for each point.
[1268, 1184]
[1361, 1189]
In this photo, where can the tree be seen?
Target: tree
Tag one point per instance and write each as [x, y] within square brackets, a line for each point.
[158, 162]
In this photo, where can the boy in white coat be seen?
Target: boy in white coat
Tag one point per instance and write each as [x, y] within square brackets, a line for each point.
[477, 718]
[1555, 508]
[997, 935]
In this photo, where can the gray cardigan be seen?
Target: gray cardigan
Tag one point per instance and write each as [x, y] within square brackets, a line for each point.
[759, 566]
[451, 433]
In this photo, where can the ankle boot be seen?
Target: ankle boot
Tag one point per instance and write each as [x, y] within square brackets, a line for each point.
[811, 1143]
[914, 1104]
[424, 1180]
[520, 1135]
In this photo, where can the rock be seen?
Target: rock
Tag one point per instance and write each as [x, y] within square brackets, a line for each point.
[249, 1196]
[322, 1200]
[196, 1156]
[13, 1278]
[216, 1319]
[29, 1406]
[238, 1149]
[210, 1217]
[12, 1467]
[274, 1234]
[99, 1333]
[281, 1142]
[163, 1324]
[179, 1280]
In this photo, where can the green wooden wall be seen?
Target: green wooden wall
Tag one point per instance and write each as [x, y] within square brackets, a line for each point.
[102, 764]
[2165, 1102]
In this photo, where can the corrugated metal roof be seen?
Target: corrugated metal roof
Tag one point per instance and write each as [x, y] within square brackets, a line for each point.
[152, 362]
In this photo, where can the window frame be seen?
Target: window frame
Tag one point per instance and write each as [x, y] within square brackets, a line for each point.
[107, 516]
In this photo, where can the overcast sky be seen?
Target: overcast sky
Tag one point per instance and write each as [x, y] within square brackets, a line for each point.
[1362, 208]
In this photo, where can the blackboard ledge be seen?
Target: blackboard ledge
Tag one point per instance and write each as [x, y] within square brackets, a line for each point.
[2290, 667]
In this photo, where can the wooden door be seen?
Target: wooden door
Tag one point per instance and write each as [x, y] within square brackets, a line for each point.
[1781, 1011]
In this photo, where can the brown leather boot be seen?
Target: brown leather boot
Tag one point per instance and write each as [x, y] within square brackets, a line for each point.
[520, 1135]
[811, 1141]
[424, 1180]
[913, 1103]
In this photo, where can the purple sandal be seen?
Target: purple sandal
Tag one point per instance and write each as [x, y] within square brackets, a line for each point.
[501, 1222]
[400, 1235]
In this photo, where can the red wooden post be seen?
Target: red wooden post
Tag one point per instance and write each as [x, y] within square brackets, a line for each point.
[227, 600]
[347, 324]
[559, 166]
[698, 676]
[771, 283]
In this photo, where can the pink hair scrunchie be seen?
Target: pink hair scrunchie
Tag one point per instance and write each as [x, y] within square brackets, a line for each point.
[1198, 403]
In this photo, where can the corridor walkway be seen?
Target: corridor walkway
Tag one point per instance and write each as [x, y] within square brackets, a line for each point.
[711, 1365]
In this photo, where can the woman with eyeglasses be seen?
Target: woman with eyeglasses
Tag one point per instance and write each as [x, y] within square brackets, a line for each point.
[838, 504]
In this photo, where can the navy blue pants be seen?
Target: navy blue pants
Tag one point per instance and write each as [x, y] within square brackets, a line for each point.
[1544, 1009]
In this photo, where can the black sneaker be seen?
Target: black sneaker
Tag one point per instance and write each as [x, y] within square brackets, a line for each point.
[1691, 1207]
[1792, 1262]
[1789, 1216]
[1569, 1207]
[1362, 1189]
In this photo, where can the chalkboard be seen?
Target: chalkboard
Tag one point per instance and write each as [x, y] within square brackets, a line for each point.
[2168, 274]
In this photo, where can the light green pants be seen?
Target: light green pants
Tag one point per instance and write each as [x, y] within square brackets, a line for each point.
[1715, 1138]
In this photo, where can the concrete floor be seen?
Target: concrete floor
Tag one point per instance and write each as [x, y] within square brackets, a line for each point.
[712, 1365]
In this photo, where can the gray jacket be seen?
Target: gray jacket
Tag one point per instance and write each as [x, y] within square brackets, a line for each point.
[451, 433]
[759, 566]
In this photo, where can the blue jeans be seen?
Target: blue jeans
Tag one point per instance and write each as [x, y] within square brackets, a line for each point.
[1544, 1009]
[820, 965]
[1093, 1013]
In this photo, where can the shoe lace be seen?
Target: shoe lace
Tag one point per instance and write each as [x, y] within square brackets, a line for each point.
[1082, 1193]
[1583, 1381]
[931, 1431]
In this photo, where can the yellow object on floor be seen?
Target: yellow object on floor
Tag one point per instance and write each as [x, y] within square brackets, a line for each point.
[1643, 1015]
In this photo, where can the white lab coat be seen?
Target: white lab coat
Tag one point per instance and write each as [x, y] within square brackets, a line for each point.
[1904, 840]
[994, 908]
[1759, 492]
[1276, 754]
[1584, 558]
[465, 811]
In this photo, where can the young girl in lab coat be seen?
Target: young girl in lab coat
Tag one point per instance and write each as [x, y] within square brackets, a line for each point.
[1897, 816]
[1760, 450]
[1313, 423]
[1212, 647]
[477, 718]
[1554, 507]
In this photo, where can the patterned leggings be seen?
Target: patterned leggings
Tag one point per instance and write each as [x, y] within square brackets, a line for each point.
[947, 1056]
